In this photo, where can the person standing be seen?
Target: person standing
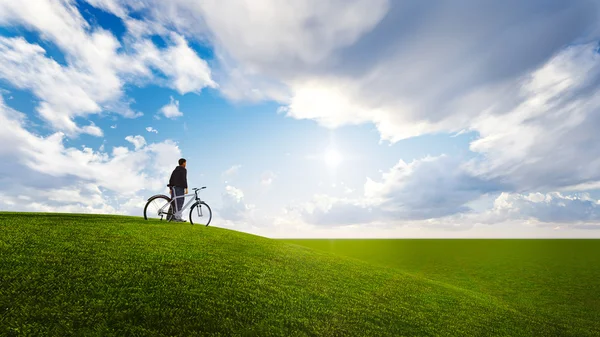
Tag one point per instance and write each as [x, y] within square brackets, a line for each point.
[178, 185]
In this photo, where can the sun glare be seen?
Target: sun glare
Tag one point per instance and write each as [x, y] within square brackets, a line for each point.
[332, 158]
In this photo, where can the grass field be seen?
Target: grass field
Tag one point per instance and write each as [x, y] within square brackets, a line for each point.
[65, 275]
[558, 281]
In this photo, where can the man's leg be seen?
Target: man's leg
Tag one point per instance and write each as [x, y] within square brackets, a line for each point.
[171, 207]
[179, 191]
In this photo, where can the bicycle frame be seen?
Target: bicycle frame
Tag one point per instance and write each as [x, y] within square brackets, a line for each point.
[179, 212]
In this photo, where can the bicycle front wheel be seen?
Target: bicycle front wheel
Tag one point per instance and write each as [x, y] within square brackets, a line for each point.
[200, 214]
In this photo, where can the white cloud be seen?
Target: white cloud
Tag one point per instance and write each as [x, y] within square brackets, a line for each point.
[408, 68]
[97, 64]
[259, 31]
[62, 90]
[533, 215]
[46, 161]
[188, 72]
[431, 187]
[545, 142]
[437, 193]
[111, 6]
[233, 206]
[180, 63]
[550, 208]
[93, 130]
[434, 193]
[137, 141]
[151, 129]
[171, 110]
[9, 202]
[256, 40]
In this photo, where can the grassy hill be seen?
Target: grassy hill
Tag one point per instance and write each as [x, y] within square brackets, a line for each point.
[66, 275]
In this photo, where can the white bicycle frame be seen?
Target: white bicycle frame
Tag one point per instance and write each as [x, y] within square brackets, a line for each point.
[179, 213]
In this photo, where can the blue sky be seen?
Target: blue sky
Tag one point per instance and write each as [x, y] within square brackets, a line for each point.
[475, 120]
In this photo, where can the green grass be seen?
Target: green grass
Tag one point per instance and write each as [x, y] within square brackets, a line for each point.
[557, 281]
[64, 275]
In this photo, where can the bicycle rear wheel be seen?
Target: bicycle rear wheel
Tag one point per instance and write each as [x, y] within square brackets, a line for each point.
[200, 214]
[156, 208]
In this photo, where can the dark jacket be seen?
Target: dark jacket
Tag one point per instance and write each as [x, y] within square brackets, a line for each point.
[178, 177]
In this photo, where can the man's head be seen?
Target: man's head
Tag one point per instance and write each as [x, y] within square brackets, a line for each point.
[182, 162]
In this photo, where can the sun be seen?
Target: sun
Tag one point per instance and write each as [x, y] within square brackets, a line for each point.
[332, 158]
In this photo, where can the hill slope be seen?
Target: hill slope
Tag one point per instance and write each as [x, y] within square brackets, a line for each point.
[110, 275]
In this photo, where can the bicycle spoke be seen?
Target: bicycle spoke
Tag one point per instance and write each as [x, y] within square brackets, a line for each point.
[156, 208]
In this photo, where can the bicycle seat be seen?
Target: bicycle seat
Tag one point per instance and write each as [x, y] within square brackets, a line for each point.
[197, 189]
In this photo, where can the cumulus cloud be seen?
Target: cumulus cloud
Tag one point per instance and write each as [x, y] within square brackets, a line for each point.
[83, 196]
[185, 71]
[63, 91]
[39, 205]
[431, 187]
[47, 162]
[437, 192]
[245, 28]
[553, 210]
[552, 207]
[545, 142]
[171, 110]
[408, 68]
[97, 64]
[188, 72]
[233, 206]
[137, 141]
[252, 57]
[511, 215]
[151, 129]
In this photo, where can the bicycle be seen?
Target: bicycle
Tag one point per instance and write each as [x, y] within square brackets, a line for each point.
[198, 205]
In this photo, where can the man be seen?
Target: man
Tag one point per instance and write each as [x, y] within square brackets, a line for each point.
[178, 185]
